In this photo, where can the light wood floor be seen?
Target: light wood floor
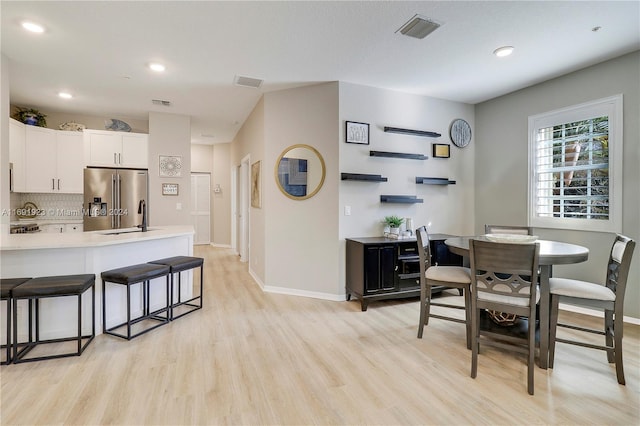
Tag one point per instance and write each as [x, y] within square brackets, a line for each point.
[251, 358]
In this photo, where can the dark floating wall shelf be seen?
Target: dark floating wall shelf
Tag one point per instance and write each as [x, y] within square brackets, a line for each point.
[364, 177]
[397, 155]
[435, 181]
[412, 132]
[406, 199]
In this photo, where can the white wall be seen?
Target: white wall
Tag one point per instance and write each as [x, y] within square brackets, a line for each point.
[221, 201]
[169, 134]
[501, 161]
[449, 207]
[301, 236]
[5, 202]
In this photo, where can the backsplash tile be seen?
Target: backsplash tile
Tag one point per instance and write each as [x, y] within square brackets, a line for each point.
[55, 207]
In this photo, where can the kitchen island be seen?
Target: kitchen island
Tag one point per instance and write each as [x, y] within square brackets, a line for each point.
[42, 254]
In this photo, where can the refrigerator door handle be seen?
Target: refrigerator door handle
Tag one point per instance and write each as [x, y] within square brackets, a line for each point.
[119, 195]
[113, 200]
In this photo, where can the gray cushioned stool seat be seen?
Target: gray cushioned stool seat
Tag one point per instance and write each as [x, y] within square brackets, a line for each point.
[63, 285]
[6, 285]
[141, 274]
[177, 265]
[135, 273]
[47, 287]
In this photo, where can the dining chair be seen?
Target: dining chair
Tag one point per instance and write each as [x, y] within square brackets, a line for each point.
[501, 280]
[431, 276]
[505, 229]
[608, 298]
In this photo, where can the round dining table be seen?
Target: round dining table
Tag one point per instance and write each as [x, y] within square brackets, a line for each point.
[551, 253]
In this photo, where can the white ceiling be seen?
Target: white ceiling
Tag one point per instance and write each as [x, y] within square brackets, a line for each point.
[98, 51]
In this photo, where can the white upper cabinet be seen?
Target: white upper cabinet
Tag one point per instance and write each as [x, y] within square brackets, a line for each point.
[17, 135]
[53, 161]
[116, 149]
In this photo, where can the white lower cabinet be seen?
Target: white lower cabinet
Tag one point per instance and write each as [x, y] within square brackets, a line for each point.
[58, 228]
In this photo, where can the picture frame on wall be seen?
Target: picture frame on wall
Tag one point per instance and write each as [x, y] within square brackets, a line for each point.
[170, 166]
[441, 150]
[356, 132]
[256, 196]
[170, 189]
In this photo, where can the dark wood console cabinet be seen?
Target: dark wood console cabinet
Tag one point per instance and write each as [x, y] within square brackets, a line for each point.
[381, 268]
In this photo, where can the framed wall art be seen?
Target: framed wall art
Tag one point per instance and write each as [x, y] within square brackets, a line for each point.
[357, 132]
[441, 150]
[170, 166]
[256, 196]
[169, 189]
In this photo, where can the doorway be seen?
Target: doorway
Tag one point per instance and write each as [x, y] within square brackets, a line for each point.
[201, 207]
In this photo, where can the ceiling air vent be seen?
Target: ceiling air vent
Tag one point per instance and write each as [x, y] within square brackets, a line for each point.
[254, 83]
[160, 102]
[419, 27]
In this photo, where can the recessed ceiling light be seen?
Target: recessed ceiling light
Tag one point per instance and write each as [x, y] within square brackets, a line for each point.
[32, 27]
[65, 95]
[503, 51]
[156, 67]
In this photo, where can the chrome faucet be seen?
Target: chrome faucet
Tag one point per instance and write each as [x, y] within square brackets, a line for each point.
[142, 208]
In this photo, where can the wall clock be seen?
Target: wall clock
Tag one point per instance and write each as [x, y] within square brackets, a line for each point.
[460, 132]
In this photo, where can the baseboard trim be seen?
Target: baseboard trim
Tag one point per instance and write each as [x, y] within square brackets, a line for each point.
[220, 245]
[595, 313]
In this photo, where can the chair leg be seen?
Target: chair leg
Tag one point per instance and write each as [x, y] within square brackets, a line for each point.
[618, 348]
[609, 332]
[553, 327]
[423, 312]
[532, 350]
[467, 315]
[475, 340]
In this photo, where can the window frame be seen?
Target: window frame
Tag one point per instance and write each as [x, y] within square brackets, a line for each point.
[609, 106]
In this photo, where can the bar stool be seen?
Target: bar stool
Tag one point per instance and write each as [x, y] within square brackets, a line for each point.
[6, 285]
[48, 287]
[179, 264]
[128, 276]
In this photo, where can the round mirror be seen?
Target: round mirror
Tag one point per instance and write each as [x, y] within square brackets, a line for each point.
[300, 172]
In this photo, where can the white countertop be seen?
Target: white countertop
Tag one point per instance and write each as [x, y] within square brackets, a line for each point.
[42, 240]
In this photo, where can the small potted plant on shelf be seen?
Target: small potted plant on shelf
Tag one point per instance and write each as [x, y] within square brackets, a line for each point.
[32, 117]
[393, 222]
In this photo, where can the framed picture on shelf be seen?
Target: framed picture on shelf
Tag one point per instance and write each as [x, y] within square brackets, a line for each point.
[441, 150]
[169, 189]
[357, 132]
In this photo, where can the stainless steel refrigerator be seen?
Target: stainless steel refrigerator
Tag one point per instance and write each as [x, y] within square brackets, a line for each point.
[112, 198]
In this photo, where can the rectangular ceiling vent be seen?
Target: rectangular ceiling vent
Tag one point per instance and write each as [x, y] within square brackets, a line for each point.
[161, 102]
[254, 83]
[419, 27]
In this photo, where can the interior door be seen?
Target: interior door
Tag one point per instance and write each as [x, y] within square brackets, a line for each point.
[201, 207]
[243, 215]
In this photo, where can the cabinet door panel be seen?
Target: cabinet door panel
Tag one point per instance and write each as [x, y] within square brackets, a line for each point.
[70, 162]
[17, 136]
[103, 148]
[40, 158]
[135, 151]
[380, 267]
[388, 267]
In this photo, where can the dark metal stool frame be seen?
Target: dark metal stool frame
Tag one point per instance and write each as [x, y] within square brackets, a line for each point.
[7, 285]
[123, 279]
[180, 264]
[33, 299]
